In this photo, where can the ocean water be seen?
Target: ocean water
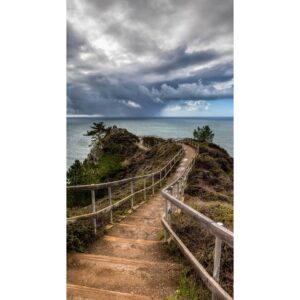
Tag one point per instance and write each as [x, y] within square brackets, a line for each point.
[78, 145]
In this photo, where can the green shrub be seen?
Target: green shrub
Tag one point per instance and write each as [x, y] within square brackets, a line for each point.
[108, 165]
[78, 199]
[79, 236]
[150, 141]
[217, 211]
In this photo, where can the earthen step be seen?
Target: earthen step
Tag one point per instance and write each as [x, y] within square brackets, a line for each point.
[135, 232]
[139, 225]
[79, 292]
[126, 240]
[135, 220]
[141, 277]
[126, 248]
[149, 212]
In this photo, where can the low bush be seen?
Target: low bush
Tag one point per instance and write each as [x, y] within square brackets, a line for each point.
[150, 141]
[80, 235]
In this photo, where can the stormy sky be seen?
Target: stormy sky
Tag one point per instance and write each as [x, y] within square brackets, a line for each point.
[150, 58]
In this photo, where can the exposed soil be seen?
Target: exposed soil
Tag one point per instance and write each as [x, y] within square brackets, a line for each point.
[129, 261]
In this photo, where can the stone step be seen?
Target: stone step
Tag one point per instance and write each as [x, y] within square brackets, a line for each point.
[79, 292]
[141, 277]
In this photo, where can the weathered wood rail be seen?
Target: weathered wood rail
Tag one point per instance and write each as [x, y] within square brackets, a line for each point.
[173, 195]
[161, 174]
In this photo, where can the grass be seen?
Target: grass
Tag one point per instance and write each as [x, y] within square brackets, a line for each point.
[217, 211]
[161, 235]
[186, 290]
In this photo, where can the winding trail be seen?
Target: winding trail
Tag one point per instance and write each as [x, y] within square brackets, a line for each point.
[128, 263]
[141, 146]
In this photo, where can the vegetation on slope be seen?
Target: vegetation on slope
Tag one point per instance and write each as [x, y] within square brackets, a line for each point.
[115, 154]
[211, 179]
[150, 141]
[210, 191]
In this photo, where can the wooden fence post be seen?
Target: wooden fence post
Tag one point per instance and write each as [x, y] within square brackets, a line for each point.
[182, 189]
[132, 191]
[170, 206]
[217, 260]
[177, 190]
[110, 203]
[160, 178]
[94, 210]
[153, 184]
[145, 192]
[166, 217]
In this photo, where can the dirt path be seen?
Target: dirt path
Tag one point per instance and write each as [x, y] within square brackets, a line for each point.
[141, 146]
[128, 263]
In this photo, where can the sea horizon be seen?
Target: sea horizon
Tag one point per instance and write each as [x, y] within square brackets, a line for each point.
[163, 117]
[165, 127]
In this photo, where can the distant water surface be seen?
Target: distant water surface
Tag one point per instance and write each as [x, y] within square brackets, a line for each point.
[78, 145]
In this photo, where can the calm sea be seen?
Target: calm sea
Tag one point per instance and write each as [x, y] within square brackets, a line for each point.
[78, 145]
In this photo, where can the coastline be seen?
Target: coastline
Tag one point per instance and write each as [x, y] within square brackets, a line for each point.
[167, 127]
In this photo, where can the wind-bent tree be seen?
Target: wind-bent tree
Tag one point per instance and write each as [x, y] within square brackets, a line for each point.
[204, 134]
[98, 132]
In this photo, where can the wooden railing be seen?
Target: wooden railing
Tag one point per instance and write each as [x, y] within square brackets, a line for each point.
[161, 174]
[173, 195]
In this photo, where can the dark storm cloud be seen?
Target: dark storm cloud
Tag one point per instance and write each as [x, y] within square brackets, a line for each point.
[181, 59]
[132, 57]
[219, 73]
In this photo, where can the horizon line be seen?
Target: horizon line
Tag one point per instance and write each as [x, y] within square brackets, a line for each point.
[143, 117]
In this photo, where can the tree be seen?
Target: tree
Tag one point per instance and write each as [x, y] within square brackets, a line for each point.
[204, 134]
[98, 132]
[74, 174]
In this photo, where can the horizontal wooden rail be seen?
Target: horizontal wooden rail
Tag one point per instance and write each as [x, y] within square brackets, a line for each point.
[92, 187]
[97, 186]
[221, 234]
[212, 226]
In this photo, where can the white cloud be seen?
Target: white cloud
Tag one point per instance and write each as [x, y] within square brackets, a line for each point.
[130, 103]
[174, 108]
[188, 106]
[83, 116]
[196, 105]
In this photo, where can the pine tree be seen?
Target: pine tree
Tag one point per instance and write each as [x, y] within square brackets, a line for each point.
[98, 132]
[204, 134]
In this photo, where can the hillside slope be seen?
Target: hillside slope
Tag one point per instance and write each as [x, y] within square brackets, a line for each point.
[210, 191]
[118, 155]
